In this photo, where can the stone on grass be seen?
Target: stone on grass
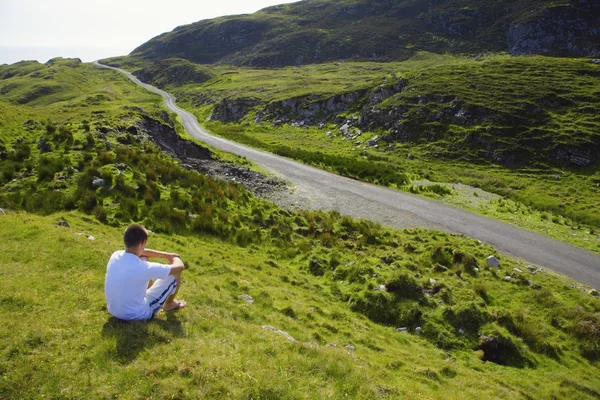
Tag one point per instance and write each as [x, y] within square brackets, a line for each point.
[419, 330]
[350, 347]
[282, 333]
[97, 182]
[402, 329]
[2, 212]
[63, 223]
[517, 270]
[91, 238]
[492, 261]
[247, 298]
[594, 292]
[507, 278]
[461, 331]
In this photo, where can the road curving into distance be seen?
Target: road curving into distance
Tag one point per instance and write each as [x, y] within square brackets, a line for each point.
[316, 188]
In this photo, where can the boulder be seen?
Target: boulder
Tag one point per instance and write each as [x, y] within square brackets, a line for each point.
[594, 292]
[247, 298]
[97, 182]
[492, 262]
[279, 332]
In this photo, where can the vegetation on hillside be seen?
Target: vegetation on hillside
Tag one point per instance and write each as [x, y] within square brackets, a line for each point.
[340, 288]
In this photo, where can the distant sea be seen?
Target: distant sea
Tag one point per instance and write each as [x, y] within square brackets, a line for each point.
[13, 54]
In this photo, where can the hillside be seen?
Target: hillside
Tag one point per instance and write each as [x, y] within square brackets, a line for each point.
[316, 31]
[329, 293]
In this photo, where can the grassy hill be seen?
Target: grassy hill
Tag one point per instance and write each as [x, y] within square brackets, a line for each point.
[322, 30]
[339, 288]
[59, 341]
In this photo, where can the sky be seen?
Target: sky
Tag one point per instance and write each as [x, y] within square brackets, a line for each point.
[43, 29]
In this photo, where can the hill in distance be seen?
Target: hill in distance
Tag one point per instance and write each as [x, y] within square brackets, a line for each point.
[315, 31]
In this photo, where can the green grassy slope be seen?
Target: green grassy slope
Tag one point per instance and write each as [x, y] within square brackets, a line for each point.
[339, 287]
[323, 30]
[57, 339]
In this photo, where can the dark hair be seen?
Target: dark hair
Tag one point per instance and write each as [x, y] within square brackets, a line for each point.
[134, 235]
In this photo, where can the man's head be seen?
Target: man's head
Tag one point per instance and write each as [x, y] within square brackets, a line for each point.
[135, 237]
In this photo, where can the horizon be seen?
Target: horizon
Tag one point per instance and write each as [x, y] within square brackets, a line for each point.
[29, 30]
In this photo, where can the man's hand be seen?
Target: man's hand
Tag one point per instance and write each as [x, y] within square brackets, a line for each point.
[171, 256]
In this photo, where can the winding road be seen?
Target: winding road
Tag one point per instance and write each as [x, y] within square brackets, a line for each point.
[319, 189]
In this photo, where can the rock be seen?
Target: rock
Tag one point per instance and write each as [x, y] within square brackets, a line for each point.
[517, 270]
[461, 331]
[419, 330]
[63, 223]
[91, 238]
[594, 292]
[595, 60]
[278, 332]
[332, 345]
[432, 281]
[532, 268]
[507, 278]
[247, 298]
[97, 182]
[492, 261]
[402, 330]
[410, 156]
[441, 336]
[380, 287]
[350, 347]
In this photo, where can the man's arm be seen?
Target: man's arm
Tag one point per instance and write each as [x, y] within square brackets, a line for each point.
[176, 266]
[149, 253]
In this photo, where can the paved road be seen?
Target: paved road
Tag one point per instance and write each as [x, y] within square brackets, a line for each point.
[320, 189]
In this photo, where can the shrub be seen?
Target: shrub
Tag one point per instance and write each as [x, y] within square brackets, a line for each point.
[587, 329]
[316, 266]
[405, 286]
[48, 165]
[442, 254]
[468, 317]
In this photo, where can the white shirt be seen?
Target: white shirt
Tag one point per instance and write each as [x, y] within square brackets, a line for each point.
[126, 283]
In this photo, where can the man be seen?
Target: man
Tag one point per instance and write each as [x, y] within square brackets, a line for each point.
[128, 287]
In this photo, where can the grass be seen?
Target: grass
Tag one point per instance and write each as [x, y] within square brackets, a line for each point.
[339, 287]
[64, 344]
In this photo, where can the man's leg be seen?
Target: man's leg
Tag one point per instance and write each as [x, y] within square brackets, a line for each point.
[171, 303]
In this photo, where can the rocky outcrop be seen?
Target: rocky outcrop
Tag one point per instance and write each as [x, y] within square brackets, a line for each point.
[560, 30]
[198, 158]
[170, 142]
[232, 110]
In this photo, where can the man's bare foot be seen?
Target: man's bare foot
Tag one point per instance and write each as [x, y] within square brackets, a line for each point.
[174, 305]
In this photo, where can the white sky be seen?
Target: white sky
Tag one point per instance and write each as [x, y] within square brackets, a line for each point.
[106, 25]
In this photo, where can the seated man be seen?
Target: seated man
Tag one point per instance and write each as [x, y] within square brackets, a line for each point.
[128, 287]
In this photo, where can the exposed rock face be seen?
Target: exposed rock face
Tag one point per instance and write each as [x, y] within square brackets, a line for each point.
[232, 110]
[196, 157]
[169, 141]
[561, 30]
